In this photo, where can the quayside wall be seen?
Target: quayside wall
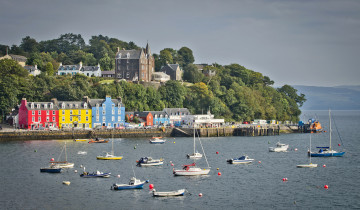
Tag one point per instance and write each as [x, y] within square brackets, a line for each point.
[142, 133]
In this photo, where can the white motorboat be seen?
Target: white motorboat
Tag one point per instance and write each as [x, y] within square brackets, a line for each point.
[169, 193]
[190, 170]
[241, 160]
[279, 148]
[149, 161]
[195, 155]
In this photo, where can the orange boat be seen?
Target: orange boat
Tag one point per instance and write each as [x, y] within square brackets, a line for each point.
[98, 141]
[314, 127]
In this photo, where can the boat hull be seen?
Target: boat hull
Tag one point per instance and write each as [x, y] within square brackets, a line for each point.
[105, 175]
[334, 154]
[128, 187]
[193, 172]
[50, 170]
[109, 158]
[240, 161]
[152, 164]
[170, 193]
[311, 165]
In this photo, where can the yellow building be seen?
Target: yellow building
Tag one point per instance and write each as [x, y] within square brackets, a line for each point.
[74, 114]
[19, 58]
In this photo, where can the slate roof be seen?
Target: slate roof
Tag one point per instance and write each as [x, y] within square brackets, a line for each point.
[107, 72]
[158, 113]
[18, 57]
[133, 54]
[93, 102]
[174, 111]
[142, 114]
[90, 68]
[69, 67]
[72, 105]
[42, 106]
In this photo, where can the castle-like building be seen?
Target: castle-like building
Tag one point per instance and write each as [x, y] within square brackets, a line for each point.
[134, 65]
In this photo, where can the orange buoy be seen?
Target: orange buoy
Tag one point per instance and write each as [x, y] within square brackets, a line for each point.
[326, 186]
[219, 174]
[151, 186]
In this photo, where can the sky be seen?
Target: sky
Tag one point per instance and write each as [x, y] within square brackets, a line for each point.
[297, 42]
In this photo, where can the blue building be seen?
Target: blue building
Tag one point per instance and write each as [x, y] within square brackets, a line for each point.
[108, 112]
[160, 118]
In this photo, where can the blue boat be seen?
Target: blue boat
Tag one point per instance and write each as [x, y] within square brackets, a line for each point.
[51, 169]
[133, 184]
[326, 151]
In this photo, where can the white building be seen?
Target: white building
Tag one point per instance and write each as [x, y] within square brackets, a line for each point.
[205, 120]
[80, 69]
[160, 77]
[33, 70]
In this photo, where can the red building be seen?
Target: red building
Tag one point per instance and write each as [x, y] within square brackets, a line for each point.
[38, 115]
[146, 116]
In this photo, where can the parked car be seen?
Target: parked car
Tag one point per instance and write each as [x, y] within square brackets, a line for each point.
[120, 127]
[148, 127]
[53, 129]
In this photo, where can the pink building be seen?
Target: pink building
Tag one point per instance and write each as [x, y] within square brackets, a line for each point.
[38, 115]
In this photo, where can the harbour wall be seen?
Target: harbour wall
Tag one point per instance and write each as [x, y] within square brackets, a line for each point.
[144, 133]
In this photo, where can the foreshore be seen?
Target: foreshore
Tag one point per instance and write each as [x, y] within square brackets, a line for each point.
[16, 134]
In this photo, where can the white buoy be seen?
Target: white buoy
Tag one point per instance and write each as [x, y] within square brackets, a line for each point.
[75, 171]
[118, 175]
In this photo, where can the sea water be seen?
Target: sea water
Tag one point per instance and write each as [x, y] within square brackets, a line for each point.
[258, 185]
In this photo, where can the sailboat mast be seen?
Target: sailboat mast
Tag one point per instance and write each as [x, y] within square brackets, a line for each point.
[330, 128]
[65, 153]
[112, 147]
[310, 148]
[194, 138]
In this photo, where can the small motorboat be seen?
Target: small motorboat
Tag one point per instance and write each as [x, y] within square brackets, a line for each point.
[279, 148]
[169, 193]
[157, 140]
[241, 160]
[149, 161]
[133, 184]
[51, 169]
[195, 155]
[98, 174]
[82, 152]
[98, 141]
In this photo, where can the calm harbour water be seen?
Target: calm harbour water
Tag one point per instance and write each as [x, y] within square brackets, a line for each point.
[253, 186]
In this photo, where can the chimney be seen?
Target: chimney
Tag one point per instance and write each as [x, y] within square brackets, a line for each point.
[35, 66]
[54, 101]
[119, 98]
[86, 99]
[23, 102]
[118, 49]
[60, 64]
[80, 64]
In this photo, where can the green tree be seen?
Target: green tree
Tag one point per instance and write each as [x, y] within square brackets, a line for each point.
[172, 94]
[185, 56]
[49, 69]
[29, 45]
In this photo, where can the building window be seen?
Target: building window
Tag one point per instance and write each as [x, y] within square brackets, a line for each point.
[112, 105]
[71, 112]
[103, 112]
[70, 105]
[119, 118]
[39, 119]
[33, 119]
[113, 118]
[79, 112]
[127, 74]
[63, 105]
[39, 112]
[71, 119]
[53, 112]
[119, 111]
[47, 119]
[104, 106]
[79, 118]
[97, 118]
[63, 112]
[76, 105]
[97, 112]
[47, 112]
[38, 106]
[45, 106]
[113, 111]
[87, 118]
[33, 112]
[63, 118]
[32, 105]
[87, 111]
[51, 106]
[104, 118]
[53, 119]
[85, 105]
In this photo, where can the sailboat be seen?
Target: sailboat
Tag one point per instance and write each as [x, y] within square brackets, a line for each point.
[310, 165]
[62, 164]
[196, 154]
[192, 169]
[110, 156]
[327, 151]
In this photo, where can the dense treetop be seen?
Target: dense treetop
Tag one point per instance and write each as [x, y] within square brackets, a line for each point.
[235, 93]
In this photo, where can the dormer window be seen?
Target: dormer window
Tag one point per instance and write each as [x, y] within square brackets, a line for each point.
[45, 106]
[70, 105]
[51, 105]
[63, 105]
[38, 106]
[104, 106]
[85, 105]
[127, 55]
[32, 105]
[118, 56]
[97, 105]
[119, 105]
[76, 106]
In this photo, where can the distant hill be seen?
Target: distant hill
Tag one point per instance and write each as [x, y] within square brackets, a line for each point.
[335, 98]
